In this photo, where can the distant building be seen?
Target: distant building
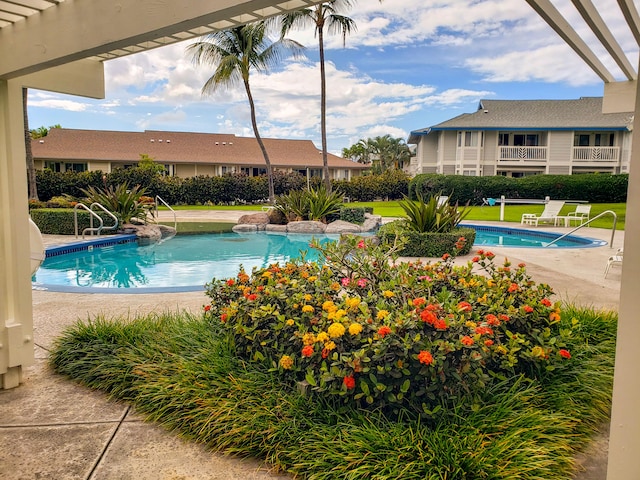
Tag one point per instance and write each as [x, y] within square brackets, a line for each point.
[183, 154]
[515, 138]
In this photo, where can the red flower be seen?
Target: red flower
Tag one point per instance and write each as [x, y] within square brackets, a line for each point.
[361, 244]
[325, 353]
[492, 319]
[418, 301]
[504, 318]
[425, 357]
[475, 259]
[564, 353]
[513, 288]
[428, 317]
[252, 296]
[384, 330]
[207, 308]
[223, 318]
[546, 302]
[528, 309]
[465, 306]
[446, 256]
[484, 331]
[440, 324]
[307, 351]
[467, 340]
[522, 265]
[488, 343]
[490, 255]
[231, 282]
[480, 252]
[349, 382]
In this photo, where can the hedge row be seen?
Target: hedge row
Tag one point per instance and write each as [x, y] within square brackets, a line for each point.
[427, 244]
[61, 221]
[392, 185]
[592, 188]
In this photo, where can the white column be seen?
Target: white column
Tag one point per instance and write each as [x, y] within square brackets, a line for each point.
[16, 317]
[624, 441]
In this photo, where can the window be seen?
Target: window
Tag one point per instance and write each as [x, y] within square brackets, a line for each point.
[526, 140]
[53, 166]
[503, 139]
[259, 171]
[468, 139]
[75, 167]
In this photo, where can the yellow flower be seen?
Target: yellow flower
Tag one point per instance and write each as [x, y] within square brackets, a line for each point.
[322, 337]
[336, 330]
[329, 345]
[537, 352]
[355, 328]
[340, 313]
[308, 338]
[286, 362]
[312, 278]
[290, 322]
[335, 286]
[482, 299]
[352, 302]
[307, 297]
[267, 274]
[382, 314]
[491, 283]
[388, 293]
[327, 305]
[501, 350]
[554, 316]
[471, 324]
[307, 309]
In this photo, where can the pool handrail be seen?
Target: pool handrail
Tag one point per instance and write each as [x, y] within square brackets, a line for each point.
[613, 230]
[175, 218]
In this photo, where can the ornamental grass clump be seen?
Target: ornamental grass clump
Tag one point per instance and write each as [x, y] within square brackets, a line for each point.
[376, 333]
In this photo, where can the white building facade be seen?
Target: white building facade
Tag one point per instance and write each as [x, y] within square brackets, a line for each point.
[515, 138]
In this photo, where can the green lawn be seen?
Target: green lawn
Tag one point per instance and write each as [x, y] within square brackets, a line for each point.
[512, 213]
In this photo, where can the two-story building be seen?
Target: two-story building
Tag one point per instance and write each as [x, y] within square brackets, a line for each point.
[515, 138]
[183, 154]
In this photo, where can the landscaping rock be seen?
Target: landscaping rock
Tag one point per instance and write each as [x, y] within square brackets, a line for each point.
[147, 234]
[260, 218]
[245, 228]
[371, 222]
[340, 226]
[306, 226]
[275, 228]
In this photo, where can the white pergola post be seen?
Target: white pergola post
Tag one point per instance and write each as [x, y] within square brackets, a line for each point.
[16, 317]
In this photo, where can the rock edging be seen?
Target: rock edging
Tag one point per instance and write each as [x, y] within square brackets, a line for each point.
[258, 222]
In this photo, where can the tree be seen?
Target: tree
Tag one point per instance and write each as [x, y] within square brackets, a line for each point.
[321, 15]
[233, 53]
[384, 152]
[42, 131]
[31, 169]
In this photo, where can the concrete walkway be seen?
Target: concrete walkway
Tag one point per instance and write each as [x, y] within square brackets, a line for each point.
[51, 428]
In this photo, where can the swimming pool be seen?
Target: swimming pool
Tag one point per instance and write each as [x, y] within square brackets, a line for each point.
[187, 262]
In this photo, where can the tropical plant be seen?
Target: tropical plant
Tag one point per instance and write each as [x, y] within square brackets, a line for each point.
[234, 53]
[323, 203]
[294, 205]
[322, 15]
[124, 202]
[431, 215]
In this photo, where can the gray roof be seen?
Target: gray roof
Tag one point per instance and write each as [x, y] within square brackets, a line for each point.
[582, 114]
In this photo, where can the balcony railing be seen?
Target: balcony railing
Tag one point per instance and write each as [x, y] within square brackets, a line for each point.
[522, 154]
[596, 154]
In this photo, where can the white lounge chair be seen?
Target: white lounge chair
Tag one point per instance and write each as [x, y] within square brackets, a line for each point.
[443, 200]
[581, 214]
[549, 215]
[615, 259]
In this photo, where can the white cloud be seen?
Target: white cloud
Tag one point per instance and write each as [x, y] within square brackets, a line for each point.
[60, 104]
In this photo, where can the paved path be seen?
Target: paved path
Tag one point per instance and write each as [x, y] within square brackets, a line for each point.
[52, 429]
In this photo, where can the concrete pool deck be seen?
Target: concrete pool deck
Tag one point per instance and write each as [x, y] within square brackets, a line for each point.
[52, 428]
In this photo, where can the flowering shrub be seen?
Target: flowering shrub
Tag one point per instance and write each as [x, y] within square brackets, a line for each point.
[386, 334]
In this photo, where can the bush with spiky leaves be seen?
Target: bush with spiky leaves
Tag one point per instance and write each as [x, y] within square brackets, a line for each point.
[124, 202]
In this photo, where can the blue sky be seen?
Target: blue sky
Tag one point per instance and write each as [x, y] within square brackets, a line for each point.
[410, 64]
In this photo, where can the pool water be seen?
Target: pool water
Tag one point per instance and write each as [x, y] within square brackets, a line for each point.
[188, 262]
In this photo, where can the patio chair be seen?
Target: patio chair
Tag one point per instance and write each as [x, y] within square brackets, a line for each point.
[488, 201]
[443, 200]
[549, 214]
[581, 214]
[615, 259]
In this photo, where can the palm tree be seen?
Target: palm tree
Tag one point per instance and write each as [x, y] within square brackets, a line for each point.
[321, 15]
[387, 152]
[31, 169]
[234, 53]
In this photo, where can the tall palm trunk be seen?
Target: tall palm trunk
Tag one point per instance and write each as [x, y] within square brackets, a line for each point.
[31, 168]
[323, 112]
[254, 123]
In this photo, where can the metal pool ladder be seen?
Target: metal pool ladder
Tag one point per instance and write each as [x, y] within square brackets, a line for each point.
[92, 215]
[175, 220]
[613, 229]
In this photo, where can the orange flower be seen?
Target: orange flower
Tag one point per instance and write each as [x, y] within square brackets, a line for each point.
[467, 340]
[223, 318]
[546, 302]
[207, 308]
[425, 357]
[384, 330]
[484, 331]
[564, 353]
[428, 317]
[488, 343]
[418, 301]
[446, 256]
[440, 324]
[492, 319]
[528, 309]
[465, 306]
[307, 351]
[231, 282]
[513, 288]
[475, 259]
[349, 382]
